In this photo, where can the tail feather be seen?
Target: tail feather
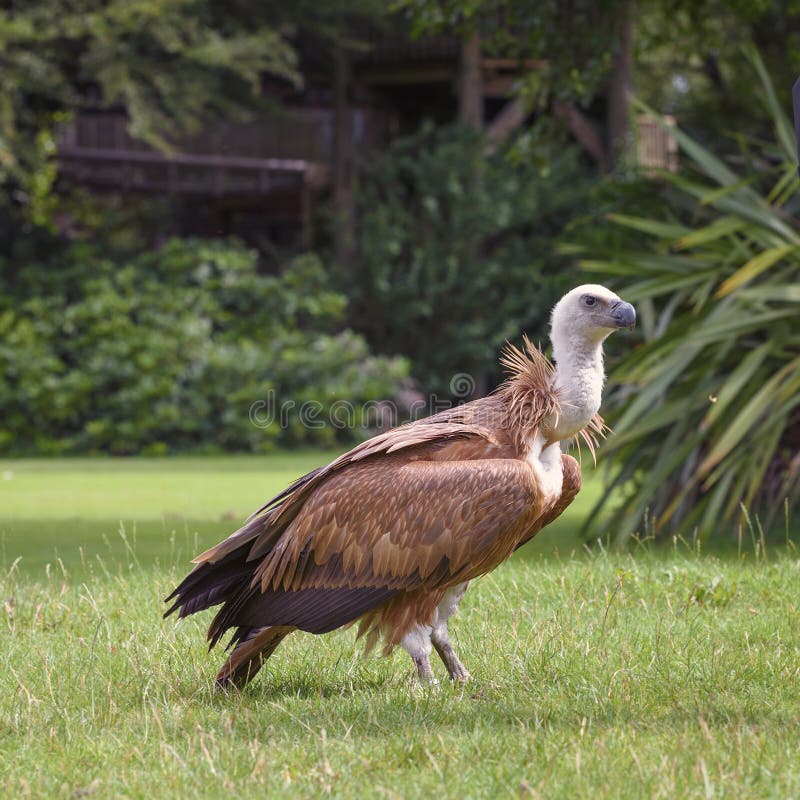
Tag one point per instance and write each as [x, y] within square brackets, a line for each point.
[255, 646]
[210, 584]
[311, 610]
[263, 617]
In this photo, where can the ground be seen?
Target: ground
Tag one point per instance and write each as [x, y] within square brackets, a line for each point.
[657, 673]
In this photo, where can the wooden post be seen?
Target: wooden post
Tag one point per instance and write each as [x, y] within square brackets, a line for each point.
[307, 212]
[470, 83]
[343, 161]
[620, 89]
[510, 117]
[470, 113]
[582, 129]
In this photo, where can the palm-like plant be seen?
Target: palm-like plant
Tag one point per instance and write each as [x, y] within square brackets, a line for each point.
[708, 414]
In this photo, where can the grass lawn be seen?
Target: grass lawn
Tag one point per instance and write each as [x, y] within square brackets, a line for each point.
[658, 674]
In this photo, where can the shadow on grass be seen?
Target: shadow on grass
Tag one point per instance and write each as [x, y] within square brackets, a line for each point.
[374, 702]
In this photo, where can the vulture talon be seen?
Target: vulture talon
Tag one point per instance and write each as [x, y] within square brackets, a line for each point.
[425, 671]
[455, 669]
[390, 533]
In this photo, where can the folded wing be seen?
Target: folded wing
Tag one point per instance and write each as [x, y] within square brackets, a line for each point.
[368, 532]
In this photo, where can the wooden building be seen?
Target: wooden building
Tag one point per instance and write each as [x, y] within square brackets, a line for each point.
[263, 178]
[265, 175]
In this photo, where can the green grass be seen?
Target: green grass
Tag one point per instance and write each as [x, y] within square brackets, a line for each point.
[84, 511]
[662, 673]
[81, 512]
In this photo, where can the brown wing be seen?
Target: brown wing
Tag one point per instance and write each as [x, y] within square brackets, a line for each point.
[385, 526]
[340, 573]
[397, 522]
[264, 526]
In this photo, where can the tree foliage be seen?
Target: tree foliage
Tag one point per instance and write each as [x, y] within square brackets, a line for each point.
[171, 64]
[689, 61]
[170, 349]
[575, 42]
[709, 404]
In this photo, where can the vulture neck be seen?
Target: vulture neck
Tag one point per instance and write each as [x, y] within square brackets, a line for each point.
[578, 381]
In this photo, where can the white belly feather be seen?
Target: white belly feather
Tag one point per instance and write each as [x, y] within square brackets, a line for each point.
[547, 466]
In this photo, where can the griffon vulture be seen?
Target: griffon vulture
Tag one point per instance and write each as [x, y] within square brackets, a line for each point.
[390, 533]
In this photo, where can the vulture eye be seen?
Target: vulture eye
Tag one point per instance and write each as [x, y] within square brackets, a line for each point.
[588, 300]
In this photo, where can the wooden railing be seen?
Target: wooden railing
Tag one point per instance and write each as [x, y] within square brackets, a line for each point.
[226, 158]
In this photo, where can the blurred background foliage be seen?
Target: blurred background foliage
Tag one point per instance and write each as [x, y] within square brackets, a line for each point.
[457, 249]
[686, 54]
[169, 349]
[172, 64]
[126, 329]
[707, 411]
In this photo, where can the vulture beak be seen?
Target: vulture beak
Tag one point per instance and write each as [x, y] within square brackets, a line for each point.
[623, 314]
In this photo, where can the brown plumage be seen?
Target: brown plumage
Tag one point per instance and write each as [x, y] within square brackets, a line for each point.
[391, 530]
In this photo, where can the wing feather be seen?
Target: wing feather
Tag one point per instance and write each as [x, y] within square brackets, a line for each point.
[265, 526]
[397, 526]
[398, 523]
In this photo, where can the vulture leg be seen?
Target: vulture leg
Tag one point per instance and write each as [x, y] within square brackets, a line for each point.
[249, 656]
[417, 643]
[440, 636]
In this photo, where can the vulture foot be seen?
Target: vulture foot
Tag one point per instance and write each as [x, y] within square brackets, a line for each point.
[424, 670]
[457, 671]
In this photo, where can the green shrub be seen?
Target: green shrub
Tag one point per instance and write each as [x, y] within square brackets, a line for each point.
[456, 248]
[168, 350]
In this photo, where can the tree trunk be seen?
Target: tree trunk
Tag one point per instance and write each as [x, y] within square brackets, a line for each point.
[470, 83]
[470, 109]
[342, 161]
[620, 89]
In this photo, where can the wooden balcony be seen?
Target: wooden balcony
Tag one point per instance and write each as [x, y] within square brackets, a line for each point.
[242, 159]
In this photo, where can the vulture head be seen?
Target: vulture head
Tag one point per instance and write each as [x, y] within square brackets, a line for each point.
[588, 314]
[581, 320]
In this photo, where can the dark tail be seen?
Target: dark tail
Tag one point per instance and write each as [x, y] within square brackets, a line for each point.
[210, 584]
[261, 619]
[249, 656]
